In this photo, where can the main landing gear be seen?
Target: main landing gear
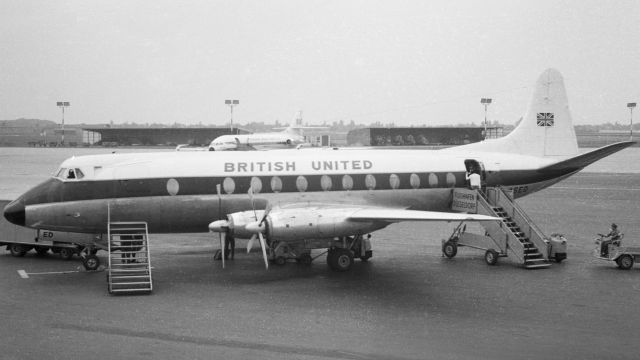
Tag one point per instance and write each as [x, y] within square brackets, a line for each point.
[341, 253]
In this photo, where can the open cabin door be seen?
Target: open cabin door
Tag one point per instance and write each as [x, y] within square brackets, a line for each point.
[475, 166]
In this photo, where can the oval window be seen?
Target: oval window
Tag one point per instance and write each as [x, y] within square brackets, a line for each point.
[451, 180]
[229, 185]
[173, 187]
[302, 183]
[276, 184]
[370, 182]
[414, 180]
[394, 181]
[325, 183]
[347, 182]
[256, 185]
[433, 180]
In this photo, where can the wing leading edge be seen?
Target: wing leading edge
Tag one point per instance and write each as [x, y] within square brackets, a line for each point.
[397, 215]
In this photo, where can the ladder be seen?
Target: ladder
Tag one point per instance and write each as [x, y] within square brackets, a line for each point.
[521, 236]
[129, 258]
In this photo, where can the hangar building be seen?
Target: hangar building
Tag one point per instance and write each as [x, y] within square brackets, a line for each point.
[200, 136]
[410, 136]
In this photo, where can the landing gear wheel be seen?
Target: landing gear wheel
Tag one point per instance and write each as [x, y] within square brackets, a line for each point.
[66, 253]
[625, 262]
[450, 249]
[491, 257]
[341, 260]
[42, 251]
[560, 257]
[91, 262]
[280, 260]
[17, 250]
[305, 259]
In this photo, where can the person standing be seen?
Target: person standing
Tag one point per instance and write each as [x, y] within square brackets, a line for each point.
[474, 180]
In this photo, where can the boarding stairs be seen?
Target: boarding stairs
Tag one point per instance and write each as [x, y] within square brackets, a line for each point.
[129, 258]
[516, 234]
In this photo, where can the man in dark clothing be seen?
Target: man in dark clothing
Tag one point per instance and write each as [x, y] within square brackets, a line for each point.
[612, 236]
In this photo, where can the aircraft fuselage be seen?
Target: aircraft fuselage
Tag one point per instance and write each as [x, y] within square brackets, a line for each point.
[176, 192]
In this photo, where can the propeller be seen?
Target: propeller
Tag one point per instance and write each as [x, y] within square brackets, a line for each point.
[221, 226]
[258, 229]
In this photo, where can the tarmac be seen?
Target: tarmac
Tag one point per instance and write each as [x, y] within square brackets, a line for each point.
[407, 302]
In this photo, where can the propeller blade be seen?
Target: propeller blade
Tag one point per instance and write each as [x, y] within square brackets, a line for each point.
[222, 247]
[264, 250]
[253, 205]
[250, 243]
[266, 212]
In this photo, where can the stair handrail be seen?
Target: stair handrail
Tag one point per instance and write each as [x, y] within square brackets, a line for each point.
[146, 241]
[512, 243]
[528, 227]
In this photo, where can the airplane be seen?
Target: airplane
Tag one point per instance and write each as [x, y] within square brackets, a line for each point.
[290, 137]
[293, 200]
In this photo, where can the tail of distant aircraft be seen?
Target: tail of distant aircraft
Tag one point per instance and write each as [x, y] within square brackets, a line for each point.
[547, 127]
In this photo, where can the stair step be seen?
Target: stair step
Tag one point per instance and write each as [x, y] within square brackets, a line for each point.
[534, 261]
[129, 267]
[131, 283]
[129, 277]
[538, 266]
[129, 290]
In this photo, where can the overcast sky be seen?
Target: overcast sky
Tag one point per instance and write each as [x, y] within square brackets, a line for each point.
[408, 62]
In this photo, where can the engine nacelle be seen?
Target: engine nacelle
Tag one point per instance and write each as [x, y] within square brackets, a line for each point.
[315, 223]
[238, 222]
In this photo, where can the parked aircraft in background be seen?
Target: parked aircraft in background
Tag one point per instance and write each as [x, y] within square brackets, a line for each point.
[294, 201]
[290, 137]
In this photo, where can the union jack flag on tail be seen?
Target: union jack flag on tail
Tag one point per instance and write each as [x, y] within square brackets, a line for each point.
[545, 119]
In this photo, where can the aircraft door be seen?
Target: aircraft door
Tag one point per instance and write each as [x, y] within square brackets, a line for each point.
[477, 167]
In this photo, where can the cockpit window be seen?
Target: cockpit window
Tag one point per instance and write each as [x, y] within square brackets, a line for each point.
[69, 174]
[61, 173]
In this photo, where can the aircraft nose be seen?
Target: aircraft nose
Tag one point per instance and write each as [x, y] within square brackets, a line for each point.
[14, 212]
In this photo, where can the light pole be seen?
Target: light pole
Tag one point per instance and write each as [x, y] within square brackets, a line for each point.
[63, 104]
[631, 106]
[485, 102]
[231, 104]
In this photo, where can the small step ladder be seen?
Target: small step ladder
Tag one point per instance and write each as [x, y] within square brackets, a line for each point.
[129, 258]
[533, 259]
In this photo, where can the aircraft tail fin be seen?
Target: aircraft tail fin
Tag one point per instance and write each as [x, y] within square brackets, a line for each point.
[547, 127]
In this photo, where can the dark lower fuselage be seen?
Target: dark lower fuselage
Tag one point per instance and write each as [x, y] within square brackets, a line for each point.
[180, 205]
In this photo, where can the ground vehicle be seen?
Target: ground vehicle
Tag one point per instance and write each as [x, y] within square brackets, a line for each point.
[624, 256]
[557, 247]
[20, 240]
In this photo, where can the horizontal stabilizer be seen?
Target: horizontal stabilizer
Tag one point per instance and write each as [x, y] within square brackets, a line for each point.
[396, 215]
[581, 161]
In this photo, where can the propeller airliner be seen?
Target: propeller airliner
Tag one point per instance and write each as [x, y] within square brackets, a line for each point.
[298, 199]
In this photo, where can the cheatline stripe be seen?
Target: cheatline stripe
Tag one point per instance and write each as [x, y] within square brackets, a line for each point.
[56, 190]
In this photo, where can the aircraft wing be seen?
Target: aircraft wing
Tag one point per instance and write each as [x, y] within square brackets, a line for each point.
[244, 147]
[397, 215]
[376, 213]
